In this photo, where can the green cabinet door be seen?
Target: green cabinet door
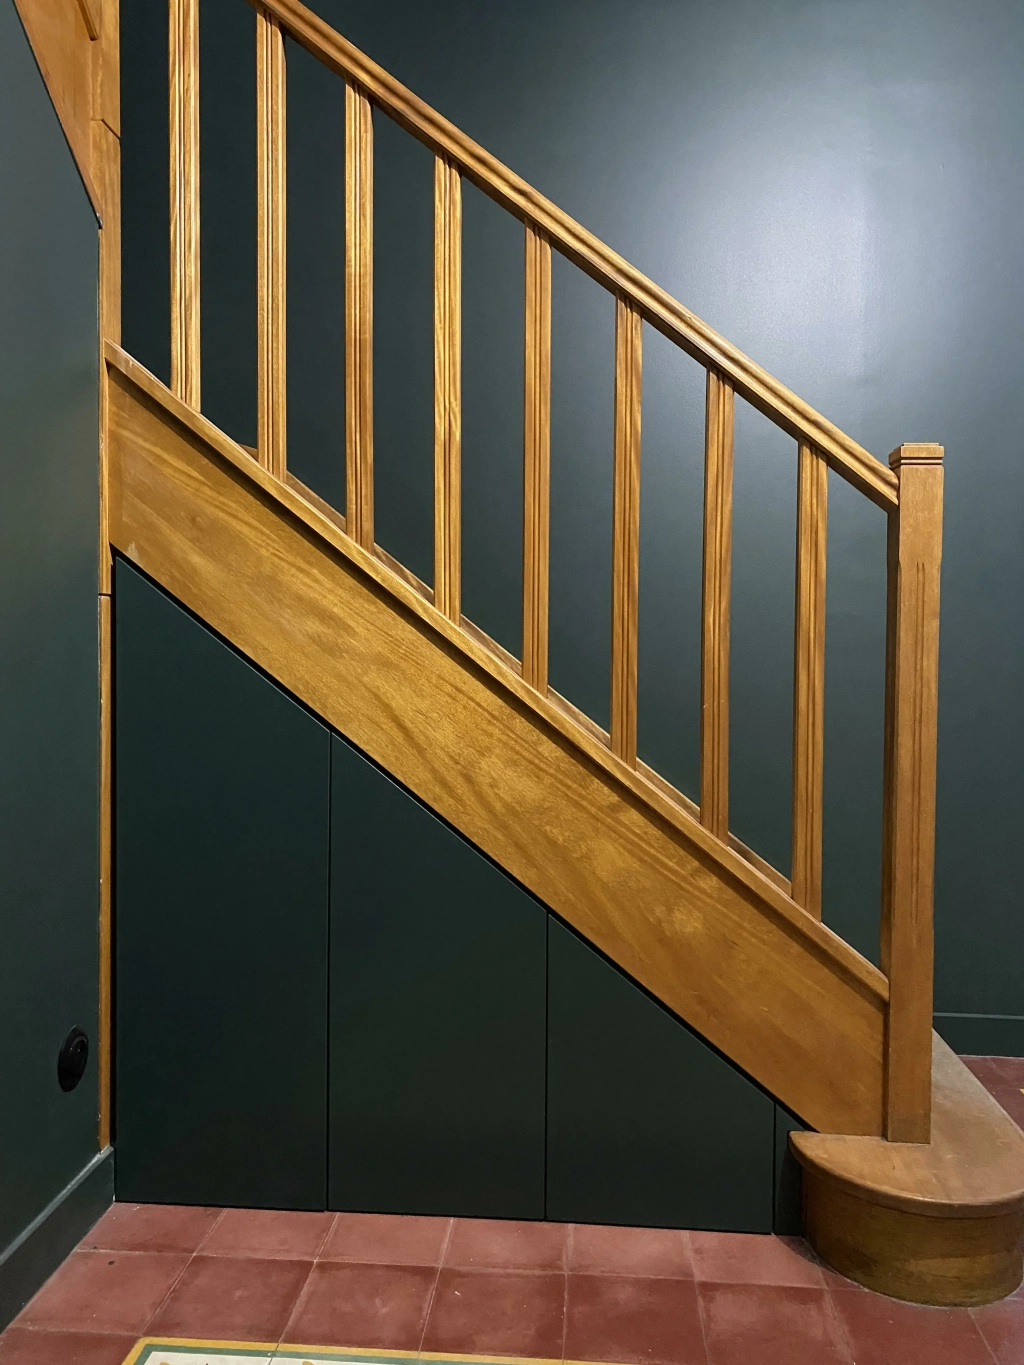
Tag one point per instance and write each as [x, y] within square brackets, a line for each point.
[647, 1125]
[437, 1013]
[222, 849]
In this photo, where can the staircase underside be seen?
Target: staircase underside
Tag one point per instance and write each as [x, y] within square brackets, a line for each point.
[702, 928]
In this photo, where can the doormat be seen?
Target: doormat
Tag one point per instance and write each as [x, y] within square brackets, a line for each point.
[186, 1351]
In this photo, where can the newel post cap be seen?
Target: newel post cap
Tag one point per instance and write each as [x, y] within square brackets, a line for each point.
[916, 453]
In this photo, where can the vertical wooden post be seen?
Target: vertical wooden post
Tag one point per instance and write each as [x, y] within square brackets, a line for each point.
[536, 459]
[359, 316]
[271, 221]
[809, 678]
[911, 718]
[714, 668]
[626, 529]
[183, 51]
[447, 389]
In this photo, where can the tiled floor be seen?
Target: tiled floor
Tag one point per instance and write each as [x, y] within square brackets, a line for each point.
[641, 1297]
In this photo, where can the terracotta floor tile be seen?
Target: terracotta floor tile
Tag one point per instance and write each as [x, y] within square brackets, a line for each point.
[229, 1297]
[883, 1331]
[269, 1233]
[997, 1070]
[1012, 1100]
[477, 1243]
[497, 1312]
[22, 1346]
[631, 1319]
[753, 1258]
[630, 1251]
[151, 1227]
[747, 1324]
[104, 1291]
[381, 1306]
[1002, 1326]
[386, 1239]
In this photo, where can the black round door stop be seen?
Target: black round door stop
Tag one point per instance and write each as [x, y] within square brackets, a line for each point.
[72, 1058]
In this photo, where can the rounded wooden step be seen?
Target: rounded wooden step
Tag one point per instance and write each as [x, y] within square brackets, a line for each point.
[938, 1223]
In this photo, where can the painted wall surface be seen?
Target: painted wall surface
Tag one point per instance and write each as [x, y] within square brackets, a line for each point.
[836, 187]
[48, 642]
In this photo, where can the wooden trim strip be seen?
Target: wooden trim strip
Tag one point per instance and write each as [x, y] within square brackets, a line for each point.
[183, 49]
[447, 389]
[714, 670]
[773, 901]
[537, 460]
[106, 943]
[908, 844]
[809, 678]
[271, 227]
[91, 18]
[604, 265]
[359, 316]
[626, 530]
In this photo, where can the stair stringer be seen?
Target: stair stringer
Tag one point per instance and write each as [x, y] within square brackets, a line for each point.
[704, 932]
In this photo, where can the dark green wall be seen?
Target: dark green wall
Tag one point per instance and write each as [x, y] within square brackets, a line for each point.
[222, 799]
[835, 187]
[48, 651]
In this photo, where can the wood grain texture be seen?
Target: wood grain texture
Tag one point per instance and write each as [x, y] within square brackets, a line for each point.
[626, 530]
[106, 943]
[106, 101]
[911, 731]
[183, 50]
[107, 159]
[271, 225]
[716, 589]
[537, 459]
[447, 389]
[359, 317]
[694, 923]
[809, 678]
[68, 61]
[598, 260]
[934, 1223]
[91, 15]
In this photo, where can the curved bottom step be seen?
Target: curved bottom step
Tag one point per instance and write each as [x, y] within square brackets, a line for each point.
[940, 1223]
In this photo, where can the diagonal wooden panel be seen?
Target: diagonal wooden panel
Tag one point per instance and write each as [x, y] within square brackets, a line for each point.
[282, 584]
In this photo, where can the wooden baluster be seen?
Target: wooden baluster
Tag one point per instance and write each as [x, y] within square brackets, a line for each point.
[183, 50]
[714, 669]
[911, 697]
[809, 677]
[447, 389]
[359, 316]
[626, 529]
[537, 459]
[271, 222]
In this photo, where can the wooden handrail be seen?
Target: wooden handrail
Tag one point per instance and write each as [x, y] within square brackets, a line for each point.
[626, 531]
[604, 265]
[536, 459]
[910, 493]
[447, 389]
[809, 678]
[358, 317]
[183, 109]
[911, 728]
[715, 607]
[271, 219]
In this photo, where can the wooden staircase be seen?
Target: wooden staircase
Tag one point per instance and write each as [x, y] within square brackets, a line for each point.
[914, 1178]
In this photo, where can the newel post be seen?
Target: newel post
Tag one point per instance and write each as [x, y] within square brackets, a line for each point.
[908, 849]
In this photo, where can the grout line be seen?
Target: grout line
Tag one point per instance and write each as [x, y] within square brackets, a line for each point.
[844, 1335]
[209, 1232]
[702, 1321]
[567, 1250]
[437, 1277]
